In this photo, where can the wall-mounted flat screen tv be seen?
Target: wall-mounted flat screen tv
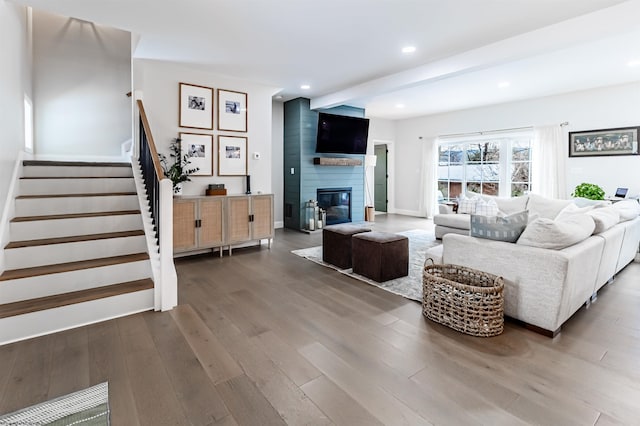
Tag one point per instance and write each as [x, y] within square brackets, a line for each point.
[339, 134]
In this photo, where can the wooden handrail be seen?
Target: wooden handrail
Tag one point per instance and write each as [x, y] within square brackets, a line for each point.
[152, 145]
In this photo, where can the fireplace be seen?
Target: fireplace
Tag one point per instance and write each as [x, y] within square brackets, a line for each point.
[337, 203]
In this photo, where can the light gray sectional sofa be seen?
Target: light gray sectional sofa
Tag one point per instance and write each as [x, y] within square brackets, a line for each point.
[546, 284]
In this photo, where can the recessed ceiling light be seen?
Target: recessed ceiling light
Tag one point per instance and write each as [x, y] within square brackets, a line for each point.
[305, 87]
[399, 105]
[504, 84]
[278, 96]
[634, 63]
[408, 49]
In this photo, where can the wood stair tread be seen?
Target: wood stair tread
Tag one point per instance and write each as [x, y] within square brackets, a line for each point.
[65, 299]
[58, 268]
[74, 215]
[94, 194]
[73, 239]
[74, 163]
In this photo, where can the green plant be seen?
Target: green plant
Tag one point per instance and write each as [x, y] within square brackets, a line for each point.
[588, 190]
[176, 166]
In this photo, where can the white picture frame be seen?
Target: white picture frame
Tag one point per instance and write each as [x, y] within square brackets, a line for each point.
[199, 148]
[232, 155]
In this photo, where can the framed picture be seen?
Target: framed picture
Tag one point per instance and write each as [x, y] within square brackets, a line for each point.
[196, 107]
[232, 156]
[232, 111]
[199, 148]
[589, 143]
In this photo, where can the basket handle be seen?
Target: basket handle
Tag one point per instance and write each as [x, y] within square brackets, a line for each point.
[429, 259]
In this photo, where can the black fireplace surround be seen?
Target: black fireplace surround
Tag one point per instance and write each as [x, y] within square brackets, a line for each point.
[337, 203]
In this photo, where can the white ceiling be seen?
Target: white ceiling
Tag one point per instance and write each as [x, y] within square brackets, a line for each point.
[348, 51]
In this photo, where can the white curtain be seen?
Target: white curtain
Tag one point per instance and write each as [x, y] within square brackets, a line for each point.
[549, 152]
[429, 178]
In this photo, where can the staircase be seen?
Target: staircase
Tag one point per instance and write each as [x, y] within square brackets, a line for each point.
[77, 252]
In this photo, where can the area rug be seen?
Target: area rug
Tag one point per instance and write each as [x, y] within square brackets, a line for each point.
[411, 285]
[88, 407]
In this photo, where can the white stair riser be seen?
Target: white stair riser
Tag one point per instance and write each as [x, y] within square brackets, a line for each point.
[35, 324]
[76, 186]
[72, 171]
[69, 205]
[38, 229]
[27, 257]
[65, 282]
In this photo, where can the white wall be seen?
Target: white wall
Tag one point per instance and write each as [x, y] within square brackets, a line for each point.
[81, 74]
[277, 161]
[158, 81]
[15, 82]
[610, 107]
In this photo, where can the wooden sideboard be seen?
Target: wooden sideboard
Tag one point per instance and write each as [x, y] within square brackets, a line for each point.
[210, 222]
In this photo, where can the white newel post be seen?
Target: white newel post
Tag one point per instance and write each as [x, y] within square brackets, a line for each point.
[167, 295]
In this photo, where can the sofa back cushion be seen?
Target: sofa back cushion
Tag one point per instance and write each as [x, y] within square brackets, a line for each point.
[604, 218]
[557, 234]
[628, 209]
[500, 228]
[545, 208]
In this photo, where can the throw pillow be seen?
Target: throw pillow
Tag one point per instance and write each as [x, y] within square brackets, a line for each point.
[557, 234]
[573, 209]
[467, 205]
[505, 228]
[510, 205]
[628, 209]
[545, 207]
[604, 218]
[486, 208]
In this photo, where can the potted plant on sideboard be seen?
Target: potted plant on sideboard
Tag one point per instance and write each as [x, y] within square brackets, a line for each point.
[177, 167]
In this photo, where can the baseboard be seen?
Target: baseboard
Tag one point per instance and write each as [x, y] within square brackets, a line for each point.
[414, 213]
[278, 225]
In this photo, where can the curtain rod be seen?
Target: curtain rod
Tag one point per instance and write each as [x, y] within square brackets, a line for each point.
[488, 132]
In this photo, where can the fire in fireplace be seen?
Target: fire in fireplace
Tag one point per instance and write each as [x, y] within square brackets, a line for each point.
[337, 203]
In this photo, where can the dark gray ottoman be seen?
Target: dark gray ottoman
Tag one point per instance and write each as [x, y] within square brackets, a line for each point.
[380, 256]
[336, 243]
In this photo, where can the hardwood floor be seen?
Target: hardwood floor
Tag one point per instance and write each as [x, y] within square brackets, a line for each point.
[265, 337]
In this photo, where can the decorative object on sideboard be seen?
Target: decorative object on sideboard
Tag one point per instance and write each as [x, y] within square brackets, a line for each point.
[590, 143]
[177, 166]
[232, 110]
[590, 191]
[232, 155]
[196, 106]
[199, 148]
[248, 179]
[216, 189]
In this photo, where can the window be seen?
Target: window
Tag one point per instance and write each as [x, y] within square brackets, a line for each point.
[492, 165]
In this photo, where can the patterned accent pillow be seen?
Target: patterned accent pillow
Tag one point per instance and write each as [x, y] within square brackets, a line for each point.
[505, 228]
[467, 205]
[486, 208]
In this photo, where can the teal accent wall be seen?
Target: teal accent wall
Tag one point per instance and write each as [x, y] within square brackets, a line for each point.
[300, 129]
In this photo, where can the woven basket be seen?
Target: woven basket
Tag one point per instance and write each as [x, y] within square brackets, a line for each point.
[464, 299]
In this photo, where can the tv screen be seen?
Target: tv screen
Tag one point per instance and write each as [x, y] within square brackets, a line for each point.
[338, 134]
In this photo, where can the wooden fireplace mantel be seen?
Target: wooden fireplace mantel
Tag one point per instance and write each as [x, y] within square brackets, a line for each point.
[337, 161]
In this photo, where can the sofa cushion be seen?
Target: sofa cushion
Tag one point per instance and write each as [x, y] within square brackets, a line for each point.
[467, 205]
[505, 228]
[557, 234]
[573, 209]
[604, 218]
[460, 221]
[545, 208]
[486, 208]
[628, 209]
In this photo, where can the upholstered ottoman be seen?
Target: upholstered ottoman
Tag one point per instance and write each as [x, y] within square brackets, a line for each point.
[336, 243]
[380, 256]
